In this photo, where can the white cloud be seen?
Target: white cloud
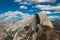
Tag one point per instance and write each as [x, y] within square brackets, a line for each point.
[47, 12]
[24, 2]
[48, 7]
[54, 17]
[18, 0]
[39, 1]
[23, 7]
[36, 1]
[56, 12]
[10, 14]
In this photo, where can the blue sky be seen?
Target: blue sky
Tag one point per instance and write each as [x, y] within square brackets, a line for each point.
[9, 9]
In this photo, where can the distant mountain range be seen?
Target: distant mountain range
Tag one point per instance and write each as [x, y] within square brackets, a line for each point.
[56, 24]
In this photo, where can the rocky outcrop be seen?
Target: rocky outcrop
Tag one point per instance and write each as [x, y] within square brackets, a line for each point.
[38, 27]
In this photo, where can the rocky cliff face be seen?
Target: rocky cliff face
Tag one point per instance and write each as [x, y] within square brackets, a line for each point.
[38, 27]
[41, 29]
[45, 20]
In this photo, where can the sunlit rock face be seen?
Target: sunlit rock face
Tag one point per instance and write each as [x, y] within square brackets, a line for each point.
[41, 24]
[45, 29]
[45, 20]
